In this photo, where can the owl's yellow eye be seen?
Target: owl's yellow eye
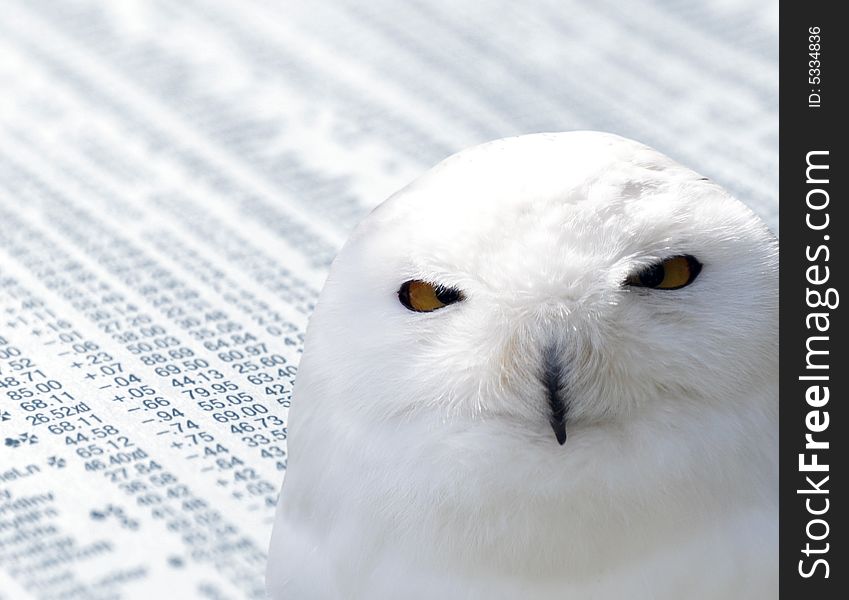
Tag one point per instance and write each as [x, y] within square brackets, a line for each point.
[670, 274]
[421, 296]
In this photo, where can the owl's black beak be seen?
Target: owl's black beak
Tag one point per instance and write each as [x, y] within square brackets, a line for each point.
[553, 380]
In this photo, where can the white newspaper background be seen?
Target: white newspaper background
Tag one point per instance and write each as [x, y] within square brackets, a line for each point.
[175, 178]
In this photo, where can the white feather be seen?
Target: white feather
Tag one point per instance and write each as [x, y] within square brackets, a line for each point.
[422, 464]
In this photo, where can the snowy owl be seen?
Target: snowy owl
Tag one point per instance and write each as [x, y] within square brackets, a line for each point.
[546, 369]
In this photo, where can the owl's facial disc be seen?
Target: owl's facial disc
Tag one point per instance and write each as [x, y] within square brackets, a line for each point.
[673, 273]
